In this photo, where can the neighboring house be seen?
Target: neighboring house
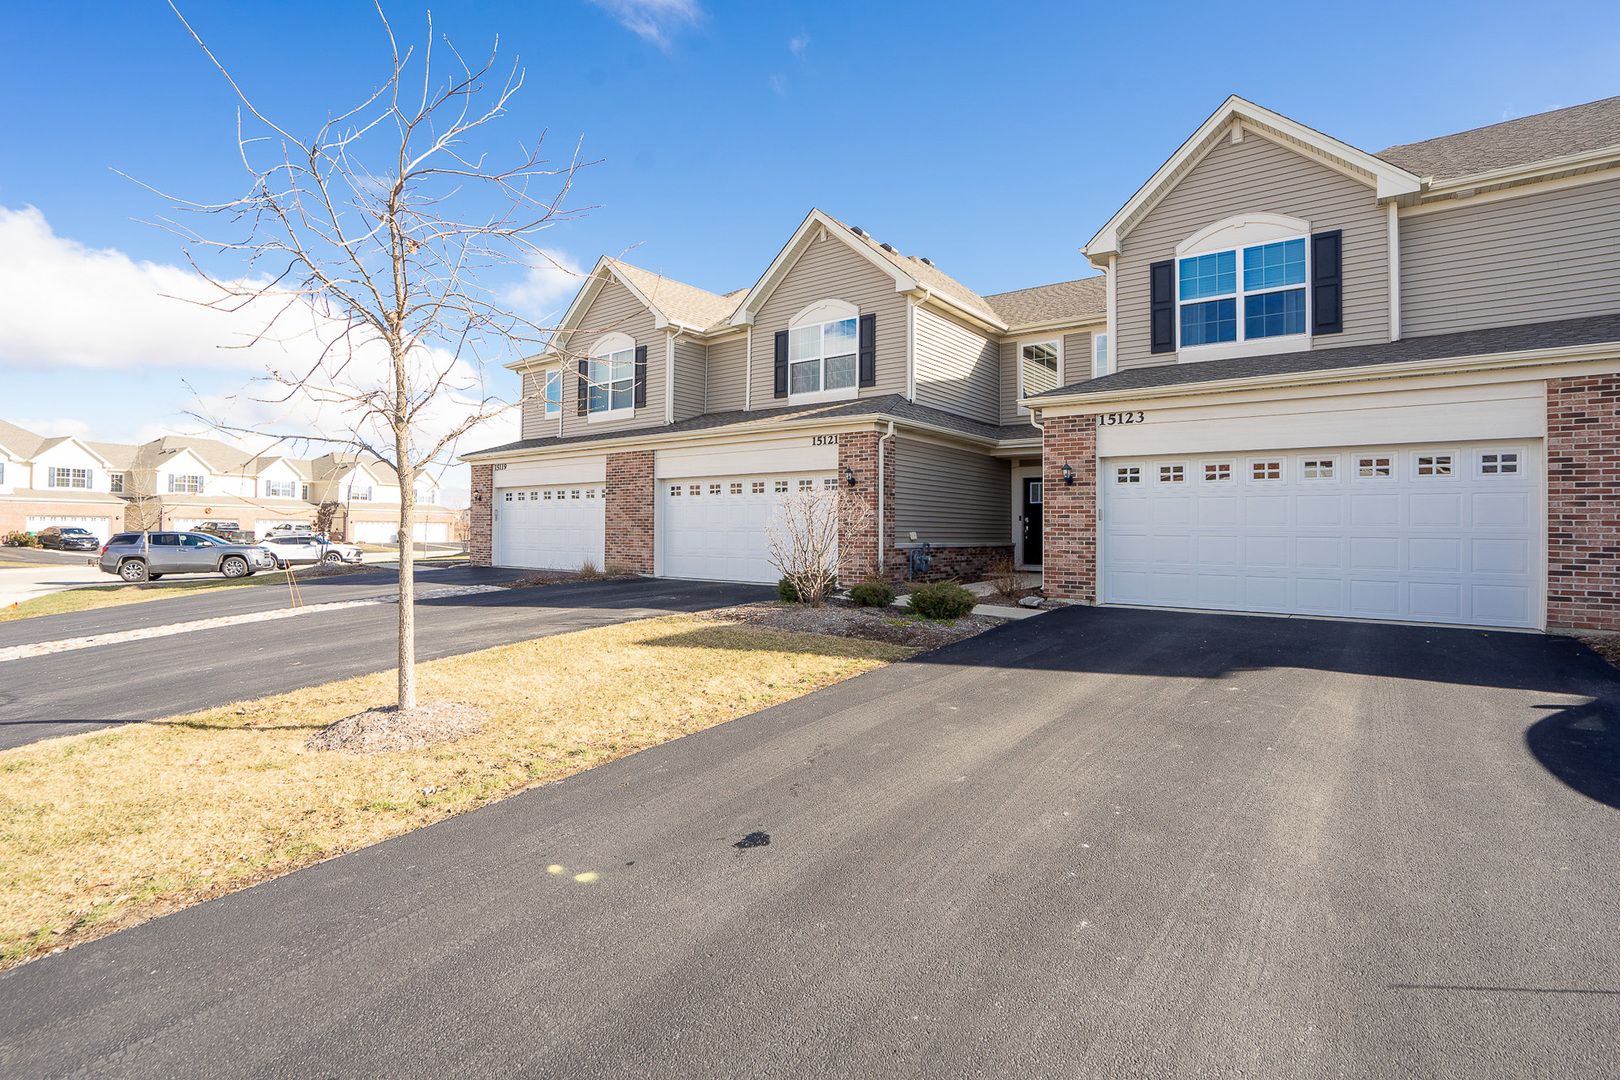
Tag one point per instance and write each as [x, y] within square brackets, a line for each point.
[60, 481]
[663, 423]
[179, 482]
[1379, 386]
[1311, 380]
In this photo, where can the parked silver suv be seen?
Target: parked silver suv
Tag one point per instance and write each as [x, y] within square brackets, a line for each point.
[148, 556]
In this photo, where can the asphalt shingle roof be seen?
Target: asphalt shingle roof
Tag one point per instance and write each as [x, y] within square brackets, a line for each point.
[679, 301]
[1085, 298]
[891, 406]
[1524, 141]
[925, 273]
[1565, 333]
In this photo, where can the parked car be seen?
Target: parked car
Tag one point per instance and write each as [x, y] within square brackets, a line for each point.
[148, 556]
[309, 548]
[229, 531]
[68, 538]
[287, 529]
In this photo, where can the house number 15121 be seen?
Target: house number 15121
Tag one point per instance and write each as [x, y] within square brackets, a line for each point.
[823, 440]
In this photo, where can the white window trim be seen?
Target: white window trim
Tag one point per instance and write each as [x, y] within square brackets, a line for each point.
[605, 347]
[1235, 234]
[175, 489]
[1099, 355]
[1018, 362]
[543, 376]
[816, 314]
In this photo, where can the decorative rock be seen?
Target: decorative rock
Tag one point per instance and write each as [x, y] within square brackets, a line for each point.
[1031, 602]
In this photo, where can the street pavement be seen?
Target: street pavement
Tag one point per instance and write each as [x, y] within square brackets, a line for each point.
[1101, 843]
[67, 693]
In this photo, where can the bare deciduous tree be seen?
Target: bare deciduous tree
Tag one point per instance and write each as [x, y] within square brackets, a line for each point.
[802, 538]
[365, 240]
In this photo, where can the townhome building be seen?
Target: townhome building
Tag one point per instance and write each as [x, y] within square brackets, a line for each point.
[1308, 379]
[179, 482]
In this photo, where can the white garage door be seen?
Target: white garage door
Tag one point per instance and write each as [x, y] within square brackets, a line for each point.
[717, 528]
[102, 527]
[373, 532]
[550, 528]
[1422, 534]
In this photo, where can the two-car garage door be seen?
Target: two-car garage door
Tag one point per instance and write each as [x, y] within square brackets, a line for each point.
[1446, 534]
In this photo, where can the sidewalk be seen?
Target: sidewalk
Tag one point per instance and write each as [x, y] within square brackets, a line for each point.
[25, 583]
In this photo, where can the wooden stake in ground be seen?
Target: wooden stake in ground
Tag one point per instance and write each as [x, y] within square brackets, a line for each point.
[362, 244]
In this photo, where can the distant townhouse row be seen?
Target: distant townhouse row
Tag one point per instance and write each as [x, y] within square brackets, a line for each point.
[1308, 380]
[177, 483]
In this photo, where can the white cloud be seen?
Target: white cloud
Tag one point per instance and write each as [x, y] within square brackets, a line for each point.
[653, 20]
[779, 84]
[545, 290]
[798, 43]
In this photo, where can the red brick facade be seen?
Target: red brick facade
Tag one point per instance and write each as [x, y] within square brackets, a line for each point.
[1069, 516]
[480, 537]
[1583, 503]
[630, 493]
[857, 546]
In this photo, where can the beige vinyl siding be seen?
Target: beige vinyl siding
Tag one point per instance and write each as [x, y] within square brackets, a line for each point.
[950, 495]
[691, 377]
[534, 410]
[728, 362]
[1536, 257]
[829, 270]
[1010, 413]
[958, 368]
[1076, 358]
[615, 309]
[1259, 176]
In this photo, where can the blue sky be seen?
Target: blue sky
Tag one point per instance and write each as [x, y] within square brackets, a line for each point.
[994, 139]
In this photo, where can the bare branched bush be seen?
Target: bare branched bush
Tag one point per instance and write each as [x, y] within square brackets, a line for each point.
[802, 538]
[1006, 579]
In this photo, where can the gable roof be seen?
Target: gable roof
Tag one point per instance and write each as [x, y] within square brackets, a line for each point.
[679, 302]
[20, 442]
[1525, 141]
[1389, 179]
[908, 272]
[1064, 301]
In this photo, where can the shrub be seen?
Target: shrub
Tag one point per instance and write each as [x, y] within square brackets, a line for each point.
[23, 539]
[942, 600]
[1005, 579]
[588, 571]
[872, 593]
[788, 592]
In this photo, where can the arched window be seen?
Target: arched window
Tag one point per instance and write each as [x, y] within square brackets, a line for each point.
[611, 376]
[822, 344]
[1243, 279]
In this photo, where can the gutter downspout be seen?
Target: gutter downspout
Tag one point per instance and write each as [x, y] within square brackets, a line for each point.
[880, 494]
[1394, 273]
[748, 370]
[911, 341]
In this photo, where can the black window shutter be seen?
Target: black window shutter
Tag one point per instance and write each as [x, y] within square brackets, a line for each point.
[1162, 303]
[781, 363]
[641, 376]
[868, 350]
[584, 402]
[1327, 292]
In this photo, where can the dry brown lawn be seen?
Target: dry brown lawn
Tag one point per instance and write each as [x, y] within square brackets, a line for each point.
[101, 831]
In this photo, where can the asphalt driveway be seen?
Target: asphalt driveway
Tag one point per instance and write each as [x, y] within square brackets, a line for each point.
[65, 693]
[1098, 843]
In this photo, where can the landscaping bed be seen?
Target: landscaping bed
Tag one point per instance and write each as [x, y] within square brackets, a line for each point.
[840, 618]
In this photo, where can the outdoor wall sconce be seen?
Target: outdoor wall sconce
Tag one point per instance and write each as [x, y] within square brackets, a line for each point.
[849, 476]
[1068, 473]
[478, 496]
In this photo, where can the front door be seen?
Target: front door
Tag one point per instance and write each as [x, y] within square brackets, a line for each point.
[1034, 494]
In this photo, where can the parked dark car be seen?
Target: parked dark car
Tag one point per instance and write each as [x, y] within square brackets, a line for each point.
[68, 538]
[230, 531]
[148, 556]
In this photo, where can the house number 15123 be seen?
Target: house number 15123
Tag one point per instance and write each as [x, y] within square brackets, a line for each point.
[1111, 418]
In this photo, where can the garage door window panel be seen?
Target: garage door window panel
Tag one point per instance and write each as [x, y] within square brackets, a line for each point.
[1435, 466]
[1319, 468]
[1265, 471]
[1375, 467]
[1217, 472]
[1501, 463]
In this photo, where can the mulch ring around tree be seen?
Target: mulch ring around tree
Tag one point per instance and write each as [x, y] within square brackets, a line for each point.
[387, 729]
[840, 618]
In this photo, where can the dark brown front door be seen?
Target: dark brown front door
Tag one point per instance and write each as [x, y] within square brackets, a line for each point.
[1034, 495]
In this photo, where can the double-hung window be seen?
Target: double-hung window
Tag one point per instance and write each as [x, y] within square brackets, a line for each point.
[1244, 294]
[182, 484]
[551, 392]
[1038, 367]
[612, 383]
[821, 357]
[69, 478]
[359, 494]
[278, 489]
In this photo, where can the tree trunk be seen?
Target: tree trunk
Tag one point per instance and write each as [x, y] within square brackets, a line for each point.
[407, 595]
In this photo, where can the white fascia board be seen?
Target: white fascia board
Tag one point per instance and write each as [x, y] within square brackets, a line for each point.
[1549, 169]
[1390, 181]
[1529, 358]
[790, 253]
[658, 437]
[1089, 325]
[945, 302]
